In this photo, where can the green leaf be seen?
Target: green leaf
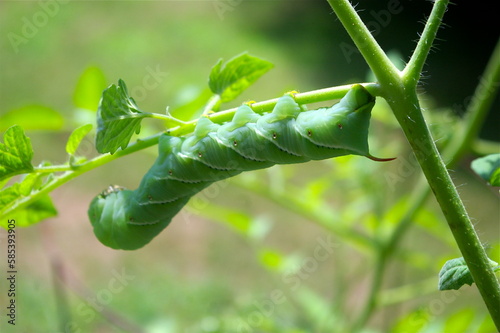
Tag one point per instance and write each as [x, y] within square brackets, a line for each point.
[9, 195]
[118, 118]
[21, 189]
[30, 182]
[34, 212]
[16, 153]
[455, 274]
[488, 168]
[89, 88]
[76, 138]
[32, 117]
[237, 74]
[495, 178]
[38, 211]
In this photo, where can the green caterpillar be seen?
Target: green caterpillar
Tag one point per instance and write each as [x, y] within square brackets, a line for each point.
[125, 219]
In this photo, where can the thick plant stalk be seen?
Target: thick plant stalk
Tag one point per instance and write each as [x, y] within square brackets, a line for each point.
[398, 88]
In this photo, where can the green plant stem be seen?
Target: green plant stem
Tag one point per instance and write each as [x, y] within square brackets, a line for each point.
[314, 96]
[417, 133]
[213, 104]
[76, 171]
[160, 116]
[411, 72]
[73, 171]
[407, 111]
[52, 169]
[400, 93]
[460, 143]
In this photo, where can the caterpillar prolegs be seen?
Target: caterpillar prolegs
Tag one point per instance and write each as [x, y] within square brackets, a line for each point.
[125, 219]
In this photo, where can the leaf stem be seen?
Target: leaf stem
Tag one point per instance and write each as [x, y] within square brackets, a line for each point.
[213, 104]
[184, 128]
[77, 171]
[411, 73]
[163, 117]
[52, 168]
[314, 96]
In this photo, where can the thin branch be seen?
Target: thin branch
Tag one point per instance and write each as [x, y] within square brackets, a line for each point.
[411, 73]
[184, 128]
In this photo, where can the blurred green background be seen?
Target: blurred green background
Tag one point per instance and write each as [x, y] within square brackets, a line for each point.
[215, 268]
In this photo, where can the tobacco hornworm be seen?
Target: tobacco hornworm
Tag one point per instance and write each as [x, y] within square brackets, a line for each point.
[125, 219]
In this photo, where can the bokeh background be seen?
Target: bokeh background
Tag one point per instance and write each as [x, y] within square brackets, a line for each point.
[204, 273]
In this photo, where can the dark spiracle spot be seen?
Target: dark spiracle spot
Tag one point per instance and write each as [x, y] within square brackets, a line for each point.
[131, 219]
[170, 172]
[309, 133]
[339, 125]
[200, 154]
[150, 197]
[235, 143]
[275, 136]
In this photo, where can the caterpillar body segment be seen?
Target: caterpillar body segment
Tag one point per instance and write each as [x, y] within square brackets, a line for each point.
[125, 219]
